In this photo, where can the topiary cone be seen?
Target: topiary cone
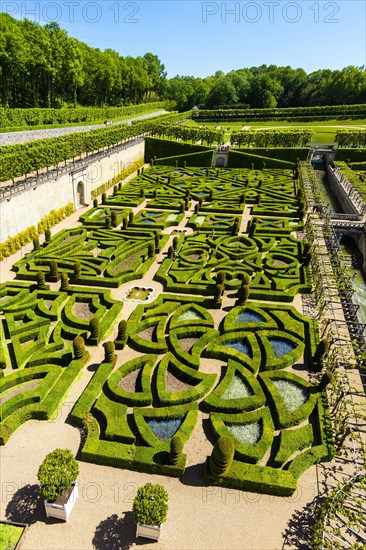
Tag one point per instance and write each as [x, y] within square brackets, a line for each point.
[176, 449]
[79, 347]
[222, 456]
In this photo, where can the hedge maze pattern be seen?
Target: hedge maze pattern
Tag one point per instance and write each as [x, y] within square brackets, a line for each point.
[183, 368]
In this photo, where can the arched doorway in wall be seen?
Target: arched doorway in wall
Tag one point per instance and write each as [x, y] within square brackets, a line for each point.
[80, 190]
[220, 162]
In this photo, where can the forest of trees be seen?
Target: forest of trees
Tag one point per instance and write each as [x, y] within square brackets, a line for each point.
[41, 66]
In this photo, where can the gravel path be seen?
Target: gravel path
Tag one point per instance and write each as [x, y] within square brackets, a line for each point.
[12, 138]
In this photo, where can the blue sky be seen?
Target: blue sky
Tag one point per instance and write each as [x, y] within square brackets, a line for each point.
[194, 37]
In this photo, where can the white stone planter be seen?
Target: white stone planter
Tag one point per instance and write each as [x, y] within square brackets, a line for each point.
[61, 508]
[149, 531]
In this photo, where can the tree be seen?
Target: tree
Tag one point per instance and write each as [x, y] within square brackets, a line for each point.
[150, 505]
[58, 471]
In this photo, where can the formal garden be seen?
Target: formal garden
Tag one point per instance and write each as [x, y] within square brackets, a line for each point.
[219, 345]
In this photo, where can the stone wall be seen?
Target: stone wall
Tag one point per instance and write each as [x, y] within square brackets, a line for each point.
[24, 209]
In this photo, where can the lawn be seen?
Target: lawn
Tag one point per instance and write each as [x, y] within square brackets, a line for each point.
[324, 132]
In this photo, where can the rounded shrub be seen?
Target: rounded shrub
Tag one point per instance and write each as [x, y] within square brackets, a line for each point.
[196, 208]
[115, 190]
[41, 284]
[175, 243]
[77, 269]
[53, 269]
[95, 203]
[150, 250]
[222, 456]
[58, 471]
[104, 198]
[220, 277]
[321, 351]
[243, 293]
[114, 218]
[47, 236]
[219, 289]
[79, 347]
[122, 331]
[109, 349]
[150, 505]
[170, 252]
[325, 380]
[124, 223]
[245, 280]
[64, 281]
[176, 449]
[94, 328]
[36, 245]
[108, 222]
[130, 217]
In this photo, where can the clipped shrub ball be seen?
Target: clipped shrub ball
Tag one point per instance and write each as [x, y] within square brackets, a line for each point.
[222, 456]
[79, 347]
[245, 280]
[47, 236]
[104, 198]
[176, 449]
[95, 203]
[58, 471]
[109, 349]
[108, 222]
[150, 505]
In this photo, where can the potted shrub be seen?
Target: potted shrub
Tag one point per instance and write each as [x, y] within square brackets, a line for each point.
[57, 475]
[150, 508]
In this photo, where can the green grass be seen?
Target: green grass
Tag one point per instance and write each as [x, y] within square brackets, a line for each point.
[324, 132]
[9, 536]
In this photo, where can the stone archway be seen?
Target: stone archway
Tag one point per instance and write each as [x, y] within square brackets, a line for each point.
[80, 190]
[220, 162]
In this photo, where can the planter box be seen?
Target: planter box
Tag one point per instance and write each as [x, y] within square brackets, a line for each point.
[61, 508]
[149, 531]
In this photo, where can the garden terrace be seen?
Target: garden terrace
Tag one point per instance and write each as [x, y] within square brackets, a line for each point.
[191, 360]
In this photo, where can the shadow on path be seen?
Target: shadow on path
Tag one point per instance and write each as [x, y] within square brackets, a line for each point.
[117, 533]
[26, 506]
